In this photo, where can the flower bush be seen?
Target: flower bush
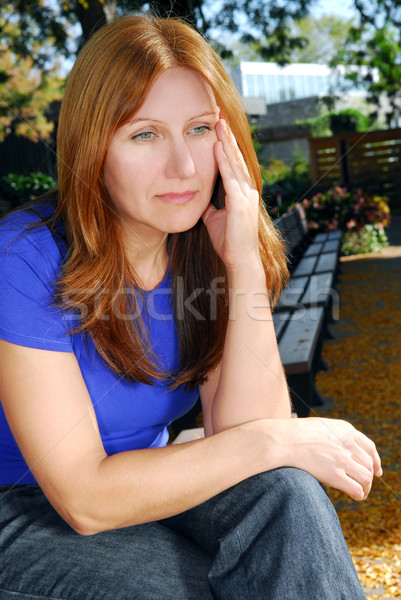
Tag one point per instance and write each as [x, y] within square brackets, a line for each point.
[362, 218]
[370, 238]
[16, 189]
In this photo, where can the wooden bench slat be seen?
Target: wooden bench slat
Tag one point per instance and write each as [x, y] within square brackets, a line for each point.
[298, 343]
[319, 290]
[334, 235]
[327, 262]
[306, 266]
[321, 237]
[292, 294]
[331, 246]
[313, 249]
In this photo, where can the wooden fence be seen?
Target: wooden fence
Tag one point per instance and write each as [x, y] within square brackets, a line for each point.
[21, 155]
[370, 161]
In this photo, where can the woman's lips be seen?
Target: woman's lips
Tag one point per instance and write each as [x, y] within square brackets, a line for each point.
[176, 198]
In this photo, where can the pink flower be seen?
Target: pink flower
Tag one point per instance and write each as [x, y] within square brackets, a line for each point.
[351, 224]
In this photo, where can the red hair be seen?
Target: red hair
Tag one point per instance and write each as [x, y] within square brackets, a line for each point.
[107, 85]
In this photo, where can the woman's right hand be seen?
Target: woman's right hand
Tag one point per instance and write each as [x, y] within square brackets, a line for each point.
[331, 450]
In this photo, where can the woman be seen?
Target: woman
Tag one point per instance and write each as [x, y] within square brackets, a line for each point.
[152, 283]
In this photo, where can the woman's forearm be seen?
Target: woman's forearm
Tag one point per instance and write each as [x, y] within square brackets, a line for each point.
[146, 485]
[252, 382]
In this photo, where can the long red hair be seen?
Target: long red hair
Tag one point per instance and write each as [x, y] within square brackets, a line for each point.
[107, 85]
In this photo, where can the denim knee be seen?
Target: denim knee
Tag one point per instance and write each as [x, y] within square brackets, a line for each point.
[295, 484]
[299, 495]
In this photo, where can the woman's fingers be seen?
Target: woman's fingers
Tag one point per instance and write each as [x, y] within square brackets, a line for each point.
[363, 462]
[234, 229]
[338, 455]
[230, 181]
[361, 474]
[233, 156]
[371, 450]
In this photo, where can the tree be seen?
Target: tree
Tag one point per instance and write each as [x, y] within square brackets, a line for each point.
[372, 54]
[325, 36]
[25, 90]
[267, 23]
[31, 28]
[35, 34]
[25, 95]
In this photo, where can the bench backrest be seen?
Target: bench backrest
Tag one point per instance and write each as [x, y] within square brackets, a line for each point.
[293, 231]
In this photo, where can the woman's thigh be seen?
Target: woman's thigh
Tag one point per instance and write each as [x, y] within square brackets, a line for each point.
[42, 557]
[274, 536]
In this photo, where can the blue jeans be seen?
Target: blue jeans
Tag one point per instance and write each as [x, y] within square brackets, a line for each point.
[275, 536]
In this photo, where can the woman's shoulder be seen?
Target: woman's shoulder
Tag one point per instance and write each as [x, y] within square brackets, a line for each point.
[30, 263]
[25, 232]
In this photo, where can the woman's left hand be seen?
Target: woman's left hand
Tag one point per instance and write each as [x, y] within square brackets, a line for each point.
[233, 230]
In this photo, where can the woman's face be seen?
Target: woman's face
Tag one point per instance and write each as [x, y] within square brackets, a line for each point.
[160, 168]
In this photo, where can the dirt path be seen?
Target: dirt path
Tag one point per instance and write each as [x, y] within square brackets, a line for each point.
[363, 385]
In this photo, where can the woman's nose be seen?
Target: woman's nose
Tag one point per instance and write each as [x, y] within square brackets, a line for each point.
[179, 163]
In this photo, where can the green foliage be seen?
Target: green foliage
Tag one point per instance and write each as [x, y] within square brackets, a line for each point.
[265, 25]
[16, 189]
[372, 52]
[325, 36]
[32, 29]
[337, 122]
[26, 90]
[362, 218]
[347, 121]
[276, 171]
[318, 126]
[285, 184]
[256, 144]
[371, 238]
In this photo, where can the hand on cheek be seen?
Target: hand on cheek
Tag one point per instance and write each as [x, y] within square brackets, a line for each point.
[234, 229]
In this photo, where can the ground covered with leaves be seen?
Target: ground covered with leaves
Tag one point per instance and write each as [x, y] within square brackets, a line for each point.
[362, 385]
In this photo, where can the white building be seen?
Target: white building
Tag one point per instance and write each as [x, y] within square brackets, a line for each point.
[280, 84]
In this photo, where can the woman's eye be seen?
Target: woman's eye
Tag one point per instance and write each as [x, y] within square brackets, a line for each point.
[144, 136]
[200, 129]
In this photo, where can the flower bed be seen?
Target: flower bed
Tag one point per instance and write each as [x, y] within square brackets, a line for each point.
[361, 217]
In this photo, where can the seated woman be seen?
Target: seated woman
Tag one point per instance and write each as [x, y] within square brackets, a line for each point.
[145, 281]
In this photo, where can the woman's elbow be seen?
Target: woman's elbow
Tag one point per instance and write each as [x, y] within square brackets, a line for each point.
[80, 521]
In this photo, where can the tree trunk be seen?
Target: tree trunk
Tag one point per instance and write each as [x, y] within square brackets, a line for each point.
[91, 18]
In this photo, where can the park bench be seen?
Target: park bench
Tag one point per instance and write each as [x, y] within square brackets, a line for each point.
[305, 308]
[302, 315]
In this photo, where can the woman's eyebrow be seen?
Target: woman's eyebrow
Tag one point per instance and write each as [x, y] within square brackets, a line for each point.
[142, 119]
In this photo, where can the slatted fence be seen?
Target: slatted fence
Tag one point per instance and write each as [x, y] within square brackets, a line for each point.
[21, 155]
[370, 161]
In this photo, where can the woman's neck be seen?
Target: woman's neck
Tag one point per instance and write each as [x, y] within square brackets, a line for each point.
[148, 259]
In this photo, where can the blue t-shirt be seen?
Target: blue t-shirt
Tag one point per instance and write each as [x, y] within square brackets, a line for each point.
[130, 415]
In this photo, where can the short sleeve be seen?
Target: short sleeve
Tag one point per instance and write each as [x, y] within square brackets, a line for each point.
[29, 265]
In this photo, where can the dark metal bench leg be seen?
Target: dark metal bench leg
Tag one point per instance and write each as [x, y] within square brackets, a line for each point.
[318, 399]
[301, 389]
